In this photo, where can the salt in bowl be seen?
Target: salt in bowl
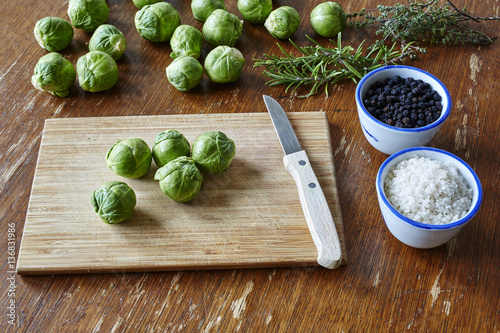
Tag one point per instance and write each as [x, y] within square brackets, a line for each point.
[417, 234]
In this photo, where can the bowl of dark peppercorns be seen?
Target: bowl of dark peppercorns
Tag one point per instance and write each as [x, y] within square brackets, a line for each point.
[401, 107]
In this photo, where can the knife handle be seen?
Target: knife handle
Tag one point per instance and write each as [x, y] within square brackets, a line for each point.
[316, 210]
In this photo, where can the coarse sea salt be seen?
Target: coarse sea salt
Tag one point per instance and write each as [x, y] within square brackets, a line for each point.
[428, 191]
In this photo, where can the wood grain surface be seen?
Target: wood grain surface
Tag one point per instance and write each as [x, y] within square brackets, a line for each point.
[246, 217]
[385, 287]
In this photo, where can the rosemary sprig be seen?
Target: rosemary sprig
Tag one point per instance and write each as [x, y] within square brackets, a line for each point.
[319, 66]
[435, 22]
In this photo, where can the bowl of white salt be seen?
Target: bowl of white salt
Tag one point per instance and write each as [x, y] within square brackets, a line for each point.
[427, 195]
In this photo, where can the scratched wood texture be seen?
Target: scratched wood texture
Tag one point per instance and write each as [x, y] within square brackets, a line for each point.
[249, 216]
[386, 286]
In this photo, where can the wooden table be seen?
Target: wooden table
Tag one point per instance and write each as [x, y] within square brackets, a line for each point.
[386, 286]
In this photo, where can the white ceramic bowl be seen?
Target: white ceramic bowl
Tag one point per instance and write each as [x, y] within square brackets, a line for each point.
[390, 139]
[422, 235]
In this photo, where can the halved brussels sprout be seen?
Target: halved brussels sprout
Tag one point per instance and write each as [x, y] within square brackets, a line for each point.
[88, 14]
[129, 158]
[203, 8]
[185, 73]
[141, 3]
[169, 145]
[97, 71]
[224, 64]
[222, 28]
[53, 33]
[180, 179]
[255, 11]
[114, 202]
[328, 19]
[186, 41]
[283, 22]
[108, 39]
[213, 151]
[54, 74]
[157, 22]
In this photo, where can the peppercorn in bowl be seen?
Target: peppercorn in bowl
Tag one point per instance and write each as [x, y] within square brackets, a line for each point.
[401, 107]
[427, 195]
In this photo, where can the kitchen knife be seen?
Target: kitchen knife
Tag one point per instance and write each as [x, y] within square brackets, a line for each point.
[317, 213]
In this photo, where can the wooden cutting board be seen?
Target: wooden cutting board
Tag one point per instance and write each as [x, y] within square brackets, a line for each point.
[247, 216]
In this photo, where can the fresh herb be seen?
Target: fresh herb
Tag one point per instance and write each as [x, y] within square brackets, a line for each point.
[321, 66]
[435, 22]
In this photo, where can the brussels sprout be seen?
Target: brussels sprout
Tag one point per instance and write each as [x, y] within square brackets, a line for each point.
[169, 145]
[224, 64]
[88, 14]
[185, 73]
[180, 179]
[53, 33]
[203, 8]
[54, 74]
[129, 158]
[97, 71]
[222, 28]
[328, 19]
[114, 202]
[186, 41]
[283, 22]
[255, 11]
[141, 3]
[108, 39]
[157, 22]
[213, 152]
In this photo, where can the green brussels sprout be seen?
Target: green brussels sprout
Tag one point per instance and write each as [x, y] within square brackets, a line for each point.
[114, 202]
[222, 28]
[108, 39]
[141, 3]
[54, 74]
[88, 14]
[186, 41]
[157, 22]
[185, 73]
[224, 64]
[203, 8]
[169, 145]
[255, 11]
[283, 22]
[97, 71]
[180, 179]
[328, 19]
[53, 33]
[213, 151]
[129, 158]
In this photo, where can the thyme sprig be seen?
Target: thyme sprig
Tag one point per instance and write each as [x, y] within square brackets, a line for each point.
[435, 22]
[319, 66]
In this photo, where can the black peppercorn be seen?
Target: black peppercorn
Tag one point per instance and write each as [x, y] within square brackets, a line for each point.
[403, 102]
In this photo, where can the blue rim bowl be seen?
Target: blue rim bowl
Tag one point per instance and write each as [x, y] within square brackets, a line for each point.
[389, 139]
[407, 225]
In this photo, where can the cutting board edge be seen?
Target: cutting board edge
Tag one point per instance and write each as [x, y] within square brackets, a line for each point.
[208, 115]
[341, 233]
[30, 270]
[20, 258]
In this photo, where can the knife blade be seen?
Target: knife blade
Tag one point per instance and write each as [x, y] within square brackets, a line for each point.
[314, 205]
